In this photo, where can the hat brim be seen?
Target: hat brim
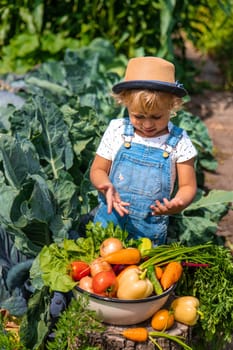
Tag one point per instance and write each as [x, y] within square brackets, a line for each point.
[174, 88]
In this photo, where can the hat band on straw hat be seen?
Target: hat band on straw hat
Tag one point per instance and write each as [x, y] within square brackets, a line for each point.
[176, 88]
[152, 73]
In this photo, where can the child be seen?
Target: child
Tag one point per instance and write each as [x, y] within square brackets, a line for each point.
[140, 157]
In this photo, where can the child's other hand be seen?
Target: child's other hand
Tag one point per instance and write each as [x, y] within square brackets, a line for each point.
[113, 199]
[173, 206]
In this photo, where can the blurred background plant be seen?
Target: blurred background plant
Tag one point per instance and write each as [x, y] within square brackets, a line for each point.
[216, 38]
[32, 32]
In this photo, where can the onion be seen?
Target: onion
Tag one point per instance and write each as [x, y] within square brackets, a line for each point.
[86, 284]
[99, 265]
[110, 245]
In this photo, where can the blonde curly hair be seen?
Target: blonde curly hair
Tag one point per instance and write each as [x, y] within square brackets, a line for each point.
[147, 101]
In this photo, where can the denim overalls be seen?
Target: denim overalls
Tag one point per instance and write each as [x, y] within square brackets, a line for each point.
[141, 174]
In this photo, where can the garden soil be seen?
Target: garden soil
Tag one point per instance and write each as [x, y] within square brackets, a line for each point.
[215, 108]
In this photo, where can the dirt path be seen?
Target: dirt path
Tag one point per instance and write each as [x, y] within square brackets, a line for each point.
[216, 110]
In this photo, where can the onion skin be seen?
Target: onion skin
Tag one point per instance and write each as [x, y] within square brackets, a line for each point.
[86, 284]
[110, 245]
[99, 265]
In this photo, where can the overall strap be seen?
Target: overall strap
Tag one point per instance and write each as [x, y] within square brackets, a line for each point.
[176, 134]
[128, 133]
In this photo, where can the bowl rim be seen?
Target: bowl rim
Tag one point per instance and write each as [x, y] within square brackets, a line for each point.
[127, 301]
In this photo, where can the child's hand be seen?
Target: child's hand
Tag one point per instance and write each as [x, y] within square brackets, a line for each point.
[173, 206]
[113, 199]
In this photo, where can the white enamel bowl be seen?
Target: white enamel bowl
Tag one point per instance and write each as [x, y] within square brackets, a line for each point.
[125, 312]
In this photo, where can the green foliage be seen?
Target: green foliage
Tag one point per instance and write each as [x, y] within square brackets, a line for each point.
[47, 146]
[216, 38]
[36, 321]
[213, 287]
[198, 223]
[34, 32]
[74, 327]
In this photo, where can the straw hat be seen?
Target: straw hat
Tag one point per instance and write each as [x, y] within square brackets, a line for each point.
[152, 73]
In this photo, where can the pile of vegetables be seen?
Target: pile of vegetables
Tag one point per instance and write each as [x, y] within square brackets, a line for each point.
[117, 273]
[88, 256]
[200, 264]
[64, 266]
[51, 271]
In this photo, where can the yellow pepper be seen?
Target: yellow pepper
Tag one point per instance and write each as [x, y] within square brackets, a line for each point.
[132, 284]
[185, 310]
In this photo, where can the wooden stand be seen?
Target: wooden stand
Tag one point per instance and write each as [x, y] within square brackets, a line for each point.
[111, 339]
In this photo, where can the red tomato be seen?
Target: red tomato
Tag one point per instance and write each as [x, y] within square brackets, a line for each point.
[105, 282]
[79, 269]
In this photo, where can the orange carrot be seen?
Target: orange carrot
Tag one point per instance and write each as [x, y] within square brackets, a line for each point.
[125, 256]
[139, 334]
[171, 274]
[158, 272]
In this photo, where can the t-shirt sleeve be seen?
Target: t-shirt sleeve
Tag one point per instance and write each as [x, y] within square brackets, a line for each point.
[105, 148]
[111, 140]
[185, 149]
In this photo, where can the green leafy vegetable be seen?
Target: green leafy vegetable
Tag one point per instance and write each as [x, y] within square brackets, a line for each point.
[213, 287]
[198, 223]
[214, 198]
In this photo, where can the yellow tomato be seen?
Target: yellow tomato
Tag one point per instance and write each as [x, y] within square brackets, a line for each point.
[162, 320]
